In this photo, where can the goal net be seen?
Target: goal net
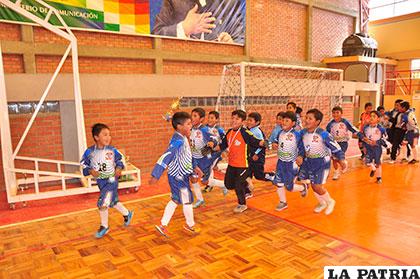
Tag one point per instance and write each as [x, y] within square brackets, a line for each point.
[267, 88]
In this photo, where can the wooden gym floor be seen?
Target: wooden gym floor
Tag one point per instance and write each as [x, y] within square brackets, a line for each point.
[372, 225]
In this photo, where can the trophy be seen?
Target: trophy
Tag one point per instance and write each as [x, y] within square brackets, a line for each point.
[174, 106]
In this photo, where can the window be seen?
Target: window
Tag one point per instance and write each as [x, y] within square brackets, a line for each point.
[380, 9]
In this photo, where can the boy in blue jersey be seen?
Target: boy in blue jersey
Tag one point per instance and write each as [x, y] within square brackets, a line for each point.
[218, 134]
[201, 143]
[256, 156]
[104, 162]
[410, 125]
[291, 106]
[374, 136]
[277, 129]
[290, 153]
[179, 161]
[339, 128]
[319, 145]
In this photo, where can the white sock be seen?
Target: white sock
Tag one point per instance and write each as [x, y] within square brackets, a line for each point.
[121, 208]
[326, 197]
[319, 198]
[189, 214]
[282, 194]
[197, 191]
[298, 188]
[379, 171]
[216, 183]
[169, 211]
[103, 213]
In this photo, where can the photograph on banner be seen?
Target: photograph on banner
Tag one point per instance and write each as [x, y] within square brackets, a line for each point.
[209, 20]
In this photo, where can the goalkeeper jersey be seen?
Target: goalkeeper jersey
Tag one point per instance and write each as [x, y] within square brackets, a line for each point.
[103, 160]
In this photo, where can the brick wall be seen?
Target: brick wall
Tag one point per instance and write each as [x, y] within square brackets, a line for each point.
[13, 63]
[191, 68]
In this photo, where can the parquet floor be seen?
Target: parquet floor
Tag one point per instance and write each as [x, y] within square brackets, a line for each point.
[255, 244]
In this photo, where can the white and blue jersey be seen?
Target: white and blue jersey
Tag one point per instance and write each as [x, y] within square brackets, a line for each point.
[200, 136]
[410, 123]
[378, 135]
[290, 146]
[319, 146]
[104, 161]
[275, 134]
[259, 151]
[298, 126]
[179, 161]
[217, 134]
[340, 132]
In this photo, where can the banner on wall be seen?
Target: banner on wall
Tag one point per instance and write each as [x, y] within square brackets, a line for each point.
[208, 20]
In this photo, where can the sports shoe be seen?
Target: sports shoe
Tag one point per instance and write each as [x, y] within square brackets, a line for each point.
[304, 192]
[225, 191]
[330, 207]
[240, 208]
[281, 206]
[101, 232]
[320, 207]
[127, 219]
[207, 189]
[414, 161]
[391, 161]
[372, 173]
[162, 230]
[379, 180]
[404, 160]
[336, 175]
[192, 230]
[198, 204]
[248, 195]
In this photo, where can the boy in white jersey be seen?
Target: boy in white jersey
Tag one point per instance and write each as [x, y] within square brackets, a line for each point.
[374, 136]
[290, 154]
[201, 139]
[179, 161]
[412, 129]
[319, 145]
[339, 128]
[104, 162]
[218, 134]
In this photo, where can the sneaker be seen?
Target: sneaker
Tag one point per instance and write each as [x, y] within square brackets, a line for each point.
[162, 230]
[207, 189]
[320, 207]
[281, 206]
[198, 204]
[304, 192]
[240, 208]
[101, 232]
[391, 161]
[379, 180]
[127, 219]
[404, 160]
[248, 195]
[336, 175]
[330, 207]
[225, 191]
[192, 230]
[414, 161]
[372, 173]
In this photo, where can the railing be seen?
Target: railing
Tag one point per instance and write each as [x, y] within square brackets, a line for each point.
[402, 82]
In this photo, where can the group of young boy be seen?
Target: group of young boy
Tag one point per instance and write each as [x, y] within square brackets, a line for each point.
[304, 157]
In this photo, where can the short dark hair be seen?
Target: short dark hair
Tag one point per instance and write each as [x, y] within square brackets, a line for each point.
[405, 105]
[290, 115]
[201, 112]
[280, 114]
[293, 104]
[397, 101]
[368, 105]
[240, 113]
[215, 113]
[379, 108]
[97, 128]
[256, 116]
[337, 108]
[317, 114]
[179, 118]
[378, 114]
[299, 110]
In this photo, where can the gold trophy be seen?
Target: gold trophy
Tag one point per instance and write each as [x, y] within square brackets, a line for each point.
[174, 106]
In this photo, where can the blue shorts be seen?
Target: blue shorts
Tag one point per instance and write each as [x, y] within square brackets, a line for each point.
[344, 145]
[286, 173]
[315, 169]
[108, 192]
[205, 164]
[180, 189]
[411, 136]
[373, 154]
